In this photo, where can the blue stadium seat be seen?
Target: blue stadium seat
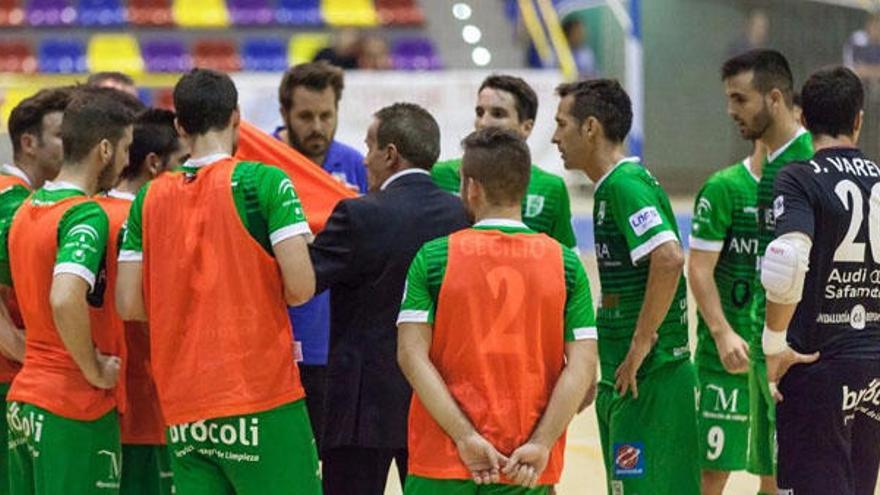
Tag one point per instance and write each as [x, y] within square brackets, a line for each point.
[100, 13]
[415, 54]
[50, 13]
[166, 55]
[250, 12]
[299, 13]
[264, 55]
[61, 56]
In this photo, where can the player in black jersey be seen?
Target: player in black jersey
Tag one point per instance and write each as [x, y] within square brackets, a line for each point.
[822, 276]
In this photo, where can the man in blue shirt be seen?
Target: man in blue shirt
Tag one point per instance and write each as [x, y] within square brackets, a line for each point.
[309, 95]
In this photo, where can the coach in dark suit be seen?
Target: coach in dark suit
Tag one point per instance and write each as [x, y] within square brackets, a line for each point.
[363, 255]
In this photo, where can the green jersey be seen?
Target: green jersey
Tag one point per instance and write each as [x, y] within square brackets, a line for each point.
[726, 222]
[631, 217]
[82, 235]
[428, 269]
[800, 148]
[11, 197]
[546, 207]
[269, 209]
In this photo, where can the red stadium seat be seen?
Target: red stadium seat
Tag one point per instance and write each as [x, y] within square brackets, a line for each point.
[150, 12]
[399, 12]
[11, 13]
[17, 56]
[219, 55]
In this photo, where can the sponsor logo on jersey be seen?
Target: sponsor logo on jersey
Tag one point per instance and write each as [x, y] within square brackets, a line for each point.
[704, 209]
[600, 216]
[629, 459]
[114, 470]
[245, 433]
[778, 207]
[865, 401]
[534, 205]
[645, 219]
[743, 245]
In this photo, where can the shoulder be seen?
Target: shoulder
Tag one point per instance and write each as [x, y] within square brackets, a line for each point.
[447, 167]
[629, 175]
[345, 152]
[548, 179]
[86, 212]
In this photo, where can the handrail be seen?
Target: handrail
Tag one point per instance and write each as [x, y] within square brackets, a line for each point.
[557, 37]
[536, 31]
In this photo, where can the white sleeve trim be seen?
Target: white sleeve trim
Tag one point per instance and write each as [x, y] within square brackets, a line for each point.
[585, 333]
[412, 316]
[284, 233]
[706, 245]
[651, 244]
[127, 255]
[76, 269]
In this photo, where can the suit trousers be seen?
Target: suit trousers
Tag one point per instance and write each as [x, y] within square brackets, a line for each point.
[359, 470]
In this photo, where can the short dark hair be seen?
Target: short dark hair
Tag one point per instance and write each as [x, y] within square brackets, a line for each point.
[130, 102]
[204, 100]
[316, 76]
[412, 130]
[500, 161]
[91, 117]
[603, 99]
[770, 68]
[832, 99]
[154, 132]
[98, 77]
[523, 94]
[27, 116]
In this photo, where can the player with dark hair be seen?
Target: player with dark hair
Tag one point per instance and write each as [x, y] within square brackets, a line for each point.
[62, 409]
[821, 273]
[211, 256]
[112, 79]
[510, 103]
[760, 98]
[155, 148]
[35, 129]
[494, 391]
[645, 401]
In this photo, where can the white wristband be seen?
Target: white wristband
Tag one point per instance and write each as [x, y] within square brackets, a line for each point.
[774, 342]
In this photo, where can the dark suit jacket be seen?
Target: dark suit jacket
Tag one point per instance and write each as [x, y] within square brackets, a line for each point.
[363, 255]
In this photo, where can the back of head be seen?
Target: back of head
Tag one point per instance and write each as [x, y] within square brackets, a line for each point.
[412, 130]
[523, 94]
[500, 161]
[100, 78]
[129, 101]
[154, 132]
[204, 100]
[27, 116]
[832, 100]
[603, 99]
[770, 68]
[315, 76]
[92, 116]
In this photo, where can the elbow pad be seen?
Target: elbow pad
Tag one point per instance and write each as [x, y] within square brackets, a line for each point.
[785, 266]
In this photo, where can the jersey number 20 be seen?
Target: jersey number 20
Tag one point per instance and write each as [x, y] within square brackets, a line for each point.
[849, 250]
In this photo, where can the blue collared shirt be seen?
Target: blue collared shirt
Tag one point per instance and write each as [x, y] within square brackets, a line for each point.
[311, 321]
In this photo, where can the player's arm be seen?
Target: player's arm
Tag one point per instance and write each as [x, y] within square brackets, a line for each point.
[11, 337]
[130, 268]
[712, 218]
[784, 267]
[82, 240]
[649, 235]
[289, 233]
[563, 231]
[413, 346]
[333, 252]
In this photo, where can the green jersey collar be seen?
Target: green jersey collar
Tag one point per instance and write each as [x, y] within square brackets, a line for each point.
[492, 223]
[776, 154]
[610, 171]
[17, 172]
[205, 160]
[747, 163]
[61, 186]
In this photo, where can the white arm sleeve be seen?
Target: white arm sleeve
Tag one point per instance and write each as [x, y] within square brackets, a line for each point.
[784, 267]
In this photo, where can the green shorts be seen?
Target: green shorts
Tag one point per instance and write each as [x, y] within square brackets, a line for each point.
[762, 420]
[266, 453]
[416, 485]
[54, 455]
[649, 444]
[146, 470]
[4, 438]
[723, 419]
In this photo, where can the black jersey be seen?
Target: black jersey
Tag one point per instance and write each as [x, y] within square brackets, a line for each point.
[834, 198]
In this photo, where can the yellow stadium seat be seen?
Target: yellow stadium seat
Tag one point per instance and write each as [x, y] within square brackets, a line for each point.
[200, 13]
[304, 47]
[349, 12]
[114, 52]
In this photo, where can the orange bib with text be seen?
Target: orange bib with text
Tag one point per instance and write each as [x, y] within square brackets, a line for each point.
[498, 344]
[8, 367]
[49, 378]
[141, 421]
[220, 337]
